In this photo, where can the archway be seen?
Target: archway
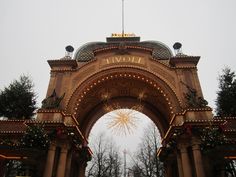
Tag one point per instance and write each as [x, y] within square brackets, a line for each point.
[124, 149]
[126, 89]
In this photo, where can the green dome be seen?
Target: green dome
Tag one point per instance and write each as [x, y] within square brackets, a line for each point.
[86, 52]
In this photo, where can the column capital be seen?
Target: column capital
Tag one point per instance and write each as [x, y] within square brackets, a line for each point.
[64, 150]
[52, 147]
[65, 147]
[183, 147]
[195, 141]
[196, 147]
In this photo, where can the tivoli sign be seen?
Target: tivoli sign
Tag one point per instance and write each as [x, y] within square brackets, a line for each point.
[124, 59]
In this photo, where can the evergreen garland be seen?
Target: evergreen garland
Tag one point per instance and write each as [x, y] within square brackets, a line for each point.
[35, 137]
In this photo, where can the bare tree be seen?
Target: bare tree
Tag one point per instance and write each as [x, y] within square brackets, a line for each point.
[106, 159]
[113, 160]
[146, 161]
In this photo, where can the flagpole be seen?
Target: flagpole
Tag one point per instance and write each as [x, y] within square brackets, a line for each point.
[123, 12]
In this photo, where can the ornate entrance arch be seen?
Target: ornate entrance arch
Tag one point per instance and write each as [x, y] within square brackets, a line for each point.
[127, 86]
[128, 72]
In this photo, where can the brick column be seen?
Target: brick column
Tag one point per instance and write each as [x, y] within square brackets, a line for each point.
[61, 168]
[187, 172]
[198, 160]
[50, 161]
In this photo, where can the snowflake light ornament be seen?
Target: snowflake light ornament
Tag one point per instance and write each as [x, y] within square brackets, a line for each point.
[123, 121]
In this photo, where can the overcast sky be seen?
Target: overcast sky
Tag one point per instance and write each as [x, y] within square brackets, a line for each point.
[32, 32]
[129, 142]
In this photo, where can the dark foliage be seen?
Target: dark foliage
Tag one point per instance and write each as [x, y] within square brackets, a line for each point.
[18, 100]
[226, 96]
[35, 137]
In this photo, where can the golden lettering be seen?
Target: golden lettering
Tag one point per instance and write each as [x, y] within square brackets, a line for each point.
[118, 59]
[139, 59]
[122, 35]
[128, 59]
[123, 59]
[107, 61]
[133, 59]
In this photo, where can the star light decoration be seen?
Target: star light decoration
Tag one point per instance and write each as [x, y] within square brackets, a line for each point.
[122, 121]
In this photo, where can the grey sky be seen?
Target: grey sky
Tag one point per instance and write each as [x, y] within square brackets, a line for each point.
[32, 32]
[129, 142]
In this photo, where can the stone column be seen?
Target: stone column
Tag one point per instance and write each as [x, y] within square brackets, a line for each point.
[50, 161]
[179, 163]
[61, 168]
[198, 160]
[187, 172]
[168, 168]
[68, 164]
[2, 167]
[82, 168]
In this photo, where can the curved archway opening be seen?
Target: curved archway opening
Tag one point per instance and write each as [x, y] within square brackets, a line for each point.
[123, 103]
[126, 133]
[122, 87]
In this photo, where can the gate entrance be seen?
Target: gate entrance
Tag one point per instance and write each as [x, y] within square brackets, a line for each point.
[125, 142]
[130, 73]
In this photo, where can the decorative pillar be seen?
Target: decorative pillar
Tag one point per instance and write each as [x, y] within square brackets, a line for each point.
[168, 168]
[61, 168]
[198, 160]
[50, 161]
[2, 167]
[68, 164]
[187, 172]
[179, 163]
[82, 168]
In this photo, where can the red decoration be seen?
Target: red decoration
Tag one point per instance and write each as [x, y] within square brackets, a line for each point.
[188, 129]
[222, 127]
[59, 132]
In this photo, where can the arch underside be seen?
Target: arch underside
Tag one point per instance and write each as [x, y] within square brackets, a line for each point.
[126, 88]
[124, 103]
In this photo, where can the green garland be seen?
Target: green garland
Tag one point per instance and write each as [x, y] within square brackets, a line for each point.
[35, 137]
[212, 137]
